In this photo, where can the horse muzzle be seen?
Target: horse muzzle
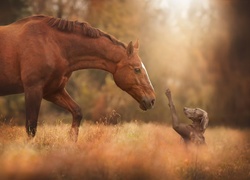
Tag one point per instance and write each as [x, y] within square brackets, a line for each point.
[147, 103]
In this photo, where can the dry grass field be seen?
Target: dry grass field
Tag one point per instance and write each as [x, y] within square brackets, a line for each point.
[129, 151]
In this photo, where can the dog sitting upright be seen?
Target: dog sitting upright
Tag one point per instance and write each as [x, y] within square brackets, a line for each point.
[189, 132]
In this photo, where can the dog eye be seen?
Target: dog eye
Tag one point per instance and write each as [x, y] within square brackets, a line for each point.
[137, 70]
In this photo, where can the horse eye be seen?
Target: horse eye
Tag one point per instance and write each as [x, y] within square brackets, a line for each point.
[137, 70]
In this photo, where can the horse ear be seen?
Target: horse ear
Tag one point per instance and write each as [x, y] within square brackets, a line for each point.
[130, 48]
[136, 45]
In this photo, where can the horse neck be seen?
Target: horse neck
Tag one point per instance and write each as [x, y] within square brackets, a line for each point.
[93, 53]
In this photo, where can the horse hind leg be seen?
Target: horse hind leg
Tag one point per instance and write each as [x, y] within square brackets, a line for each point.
[33, 98]
[63, 99]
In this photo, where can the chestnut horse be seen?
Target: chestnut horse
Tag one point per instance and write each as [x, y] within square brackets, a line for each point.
[39, 53]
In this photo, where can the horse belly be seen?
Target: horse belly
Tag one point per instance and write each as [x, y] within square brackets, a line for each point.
[8, 87]
[10, 81]
[11, 89]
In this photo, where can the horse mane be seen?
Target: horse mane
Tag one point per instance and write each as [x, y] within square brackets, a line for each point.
[84, 27]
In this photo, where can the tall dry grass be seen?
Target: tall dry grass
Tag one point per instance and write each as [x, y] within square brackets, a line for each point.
[130, 151]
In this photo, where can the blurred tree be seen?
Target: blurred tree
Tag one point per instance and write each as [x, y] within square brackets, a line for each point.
[232, 59]
[11, 10]
[73, 9]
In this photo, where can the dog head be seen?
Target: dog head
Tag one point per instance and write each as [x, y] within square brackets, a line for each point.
[197, 115]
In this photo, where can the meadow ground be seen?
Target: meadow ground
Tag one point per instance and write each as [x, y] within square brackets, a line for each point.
[129, 151]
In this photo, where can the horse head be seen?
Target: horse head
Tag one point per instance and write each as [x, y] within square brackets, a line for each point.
[131, 76]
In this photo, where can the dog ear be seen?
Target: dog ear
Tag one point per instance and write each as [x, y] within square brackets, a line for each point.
[204, 121]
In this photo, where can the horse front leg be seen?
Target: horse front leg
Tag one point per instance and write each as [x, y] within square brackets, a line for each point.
[63, 99]
[33, 98]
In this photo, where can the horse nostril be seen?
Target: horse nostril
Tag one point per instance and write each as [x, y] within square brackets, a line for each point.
[153, 102]
[148, 103]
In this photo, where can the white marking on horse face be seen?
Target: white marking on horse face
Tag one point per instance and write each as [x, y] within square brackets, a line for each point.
[143, 67]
